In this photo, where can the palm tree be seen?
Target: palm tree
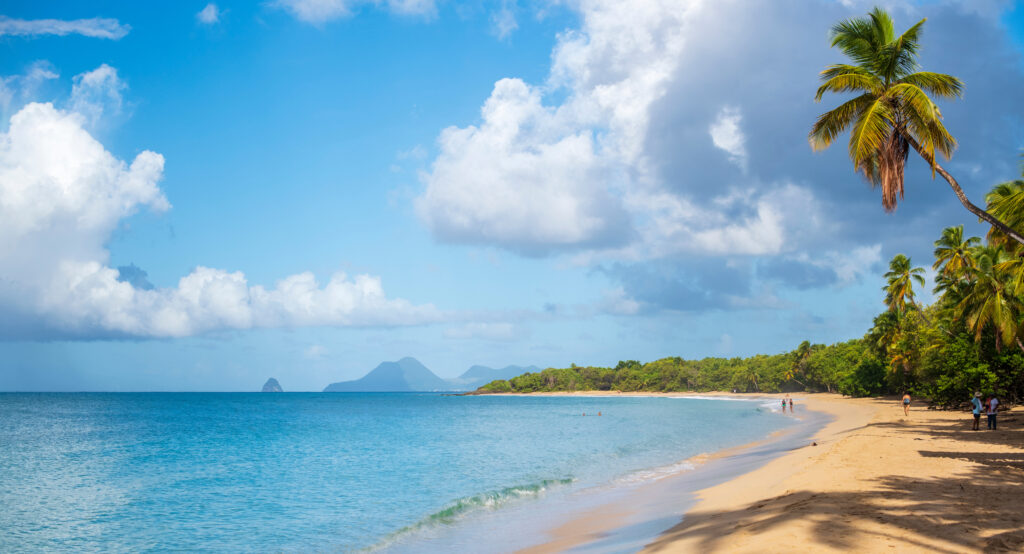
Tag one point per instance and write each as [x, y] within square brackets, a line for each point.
[893, 112]
[899, 292]
[1006, 202]
[953, 252]
[990, 301]
[800, 358]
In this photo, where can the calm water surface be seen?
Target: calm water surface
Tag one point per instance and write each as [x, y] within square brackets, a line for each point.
[322, 472]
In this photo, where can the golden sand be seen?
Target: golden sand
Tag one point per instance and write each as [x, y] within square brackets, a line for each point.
[876, 481]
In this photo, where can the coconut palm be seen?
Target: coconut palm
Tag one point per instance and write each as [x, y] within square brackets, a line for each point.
[990, 300]
[1006, 202]
[953, 252]
[801, 356]
[892, 112]
[899, 292]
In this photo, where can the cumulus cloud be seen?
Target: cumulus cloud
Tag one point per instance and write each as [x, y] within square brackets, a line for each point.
[97, 93]
[15, 90]
[61, 196]
[318, 12]
[537, 178]
[97, 27]
[518, 180]
[210, 15]
[640, 148]
[726, 134]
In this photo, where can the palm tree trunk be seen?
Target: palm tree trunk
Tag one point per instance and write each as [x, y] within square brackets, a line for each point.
[963, 197]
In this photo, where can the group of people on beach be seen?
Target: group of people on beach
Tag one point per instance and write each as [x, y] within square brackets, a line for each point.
[784, 401]
[991, 407]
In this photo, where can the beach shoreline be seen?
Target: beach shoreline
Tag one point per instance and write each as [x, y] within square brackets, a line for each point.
[870, 479]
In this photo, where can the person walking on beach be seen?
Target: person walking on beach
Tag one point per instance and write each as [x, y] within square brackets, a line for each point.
[993, 408]
[906, 403]
[976, 405]
[790, 404]
[783, 405]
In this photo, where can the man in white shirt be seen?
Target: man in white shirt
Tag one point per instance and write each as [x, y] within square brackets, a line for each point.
[993, 407]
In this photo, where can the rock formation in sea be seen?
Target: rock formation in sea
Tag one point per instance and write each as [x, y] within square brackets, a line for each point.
[272, 386]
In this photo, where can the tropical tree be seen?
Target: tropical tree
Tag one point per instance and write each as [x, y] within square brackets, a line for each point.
[799, 367]
[1006, 202]
[953, 252]
[892, 112]
[899, 292]
[990, 301]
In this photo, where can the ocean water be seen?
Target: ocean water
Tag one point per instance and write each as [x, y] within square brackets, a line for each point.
[325, 472]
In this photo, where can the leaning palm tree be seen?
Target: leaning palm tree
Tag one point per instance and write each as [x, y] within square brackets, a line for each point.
[892, 112]
[953, 252]
[899, 292]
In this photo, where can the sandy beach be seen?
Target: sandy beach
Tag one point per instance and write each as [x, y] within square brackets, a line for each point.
[874, 481]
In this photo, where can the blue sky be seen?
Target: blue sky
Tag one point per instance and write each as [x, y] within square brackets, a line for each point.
[314, 186]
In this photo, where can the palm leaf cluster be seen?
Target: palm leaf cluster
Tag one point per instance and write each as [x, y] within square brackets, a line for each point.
[983, 285]
[980, 286]
[892, 110]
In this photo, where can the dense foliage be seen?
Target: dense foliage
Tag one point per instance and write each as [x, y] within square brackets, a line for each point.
[971, 339]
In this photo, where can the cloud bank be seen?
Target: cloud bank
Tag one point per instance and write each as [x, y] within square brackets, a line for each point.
[673, 159]
[62, 194]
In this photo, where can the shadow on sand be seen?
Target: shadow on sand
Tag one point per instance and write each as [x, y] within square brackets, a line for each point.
[982, 501]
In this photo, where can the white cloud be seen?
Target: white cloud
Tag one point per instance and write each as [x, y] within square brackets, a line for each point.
[318, 12]
[536, 178]
[16, 89]
[849, 266]
[503, 21]
[315, 11]
[726, 134]
[210, 15]
[412, 7]
[97, 27]
[616, 301]
[97, 93]
[62, 194]
[518, 180]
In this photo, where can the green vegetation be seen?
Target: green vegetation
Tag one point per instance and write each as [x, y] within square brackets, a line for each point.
[970, 339]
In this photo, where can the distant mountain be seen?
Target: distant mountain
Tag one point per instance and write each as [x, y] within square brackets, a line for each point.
[272, 386]
[478, 375]
[406, 374]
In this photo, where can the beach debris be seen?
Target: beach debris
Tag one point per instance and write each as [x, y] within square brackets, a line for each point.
[814, 444]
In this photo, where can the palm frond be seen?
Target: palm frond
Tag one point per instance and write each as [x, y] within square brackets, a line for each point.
[855, 38]
[850, 82]
[939, 84]
[833, 123]
[898, 57]
[870, 130]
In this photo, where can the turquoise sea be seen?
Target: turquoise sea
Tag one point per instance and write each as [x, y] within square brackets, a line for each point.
[327, 472]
